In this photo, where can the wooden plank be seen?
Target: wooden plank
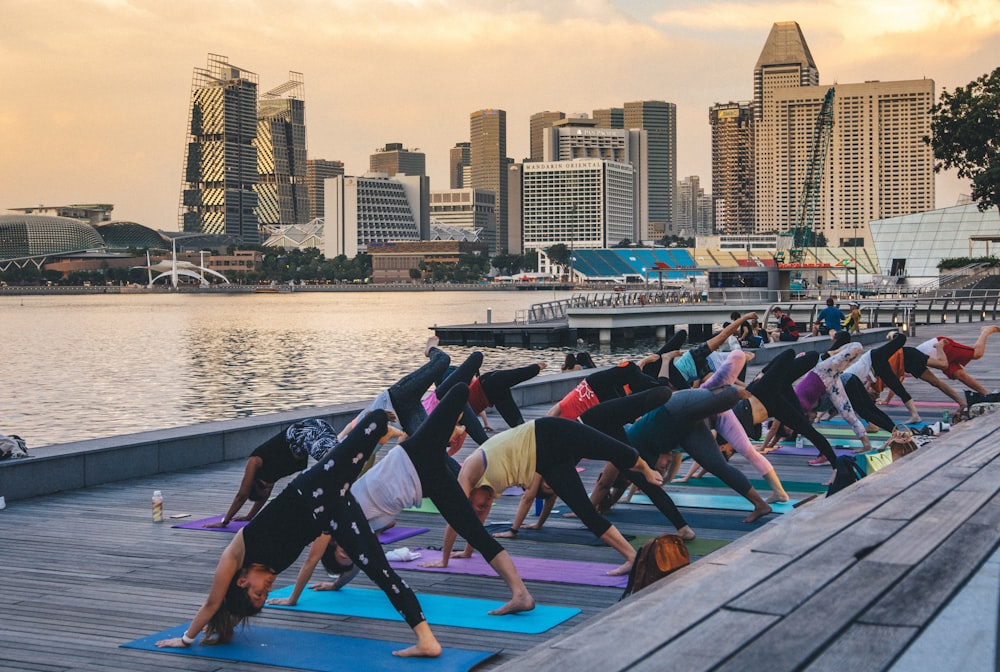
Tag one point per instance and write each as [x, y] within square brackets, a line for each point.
[862, 648]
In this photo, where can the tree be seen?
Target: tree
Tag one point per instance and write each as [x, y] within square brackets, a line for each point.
[965, 127]
[559, 254]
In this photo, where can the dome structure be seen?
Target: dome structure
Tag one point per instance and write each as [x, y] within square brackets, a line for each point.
[123, 235]
[39, 235]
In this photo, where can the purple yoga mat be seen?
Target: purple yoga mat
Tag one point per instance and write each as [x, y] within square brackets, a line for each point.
[808, 451]
[531, 569]
[389, 536]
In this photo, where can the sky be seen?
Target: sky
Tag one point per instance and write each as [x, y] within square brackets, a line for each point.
[96, 92]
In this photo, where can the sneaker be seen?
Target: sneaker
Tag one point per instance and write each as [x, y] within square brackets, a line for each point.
[819, 461]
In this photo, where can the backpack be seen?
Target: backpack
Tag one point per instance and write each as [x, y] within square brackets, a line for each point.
[848, 472]
[658, 557]
[12, 446]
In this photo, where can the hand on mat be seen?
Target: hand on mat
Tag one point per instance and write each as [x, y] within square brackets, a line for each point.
[174, 643]
[285, 601]
[434, 563]
[531, 526]
[218, 524]
[506, 534]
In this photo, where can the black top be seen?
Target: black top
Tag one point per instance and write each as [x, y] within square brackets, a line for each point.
[279, 461]
[277, 535]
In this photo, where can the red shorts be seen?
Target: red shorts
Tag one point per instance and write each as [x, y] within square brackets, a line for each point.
[958, 355]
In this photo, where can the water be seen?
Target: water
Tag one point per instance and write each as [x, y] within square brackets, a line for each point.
[81, 367]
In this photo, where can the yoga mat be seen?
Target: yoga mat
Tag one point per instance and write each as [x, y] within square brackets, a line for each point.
[426, 506]
[555, 535]
[531, 569]
[812, 451]
[695, 500]
[712, 481]
[696, 548]
[702, 521]
[389, 536]
[314, 651]
[457, 612]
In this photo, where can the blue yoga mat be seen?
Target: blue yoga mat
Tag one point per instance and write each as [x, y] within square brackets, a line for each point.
[314, 651]
[696, 500]
[459, 612]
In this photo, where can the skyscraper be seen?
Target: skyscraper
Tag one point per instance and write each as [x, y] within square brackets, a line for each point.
[733, 167]
[220, 163]
[537, 124]
[459, 159]
[489, 164]
[610, 117]
[394, 159]
[659, 120]
[317, 172]
[694, 209]
[282, 193]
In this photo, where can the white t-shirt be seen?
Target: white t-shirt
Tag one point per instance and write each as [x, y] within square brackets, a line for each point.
[387, 488]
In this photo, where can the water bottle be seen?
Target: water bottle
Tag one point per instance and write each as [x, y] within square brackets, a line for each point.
[157, 506]
[945, 418]
[798, 441]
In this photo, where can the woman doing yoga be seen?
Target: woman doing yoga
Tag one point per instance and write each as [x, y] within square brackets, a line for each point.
[318, 500]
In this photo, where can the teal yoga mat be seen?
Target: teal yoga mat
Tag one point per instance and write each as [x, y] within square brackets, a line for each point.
[695, 500]
[314, 651]
[710, 481]
[459, 612]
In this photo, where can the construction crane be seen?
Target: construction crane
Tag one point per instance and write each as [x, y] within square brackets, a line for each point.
[802, 232]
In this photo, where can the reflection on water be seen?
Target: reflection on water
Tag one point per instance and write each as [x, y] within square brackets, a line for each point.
[90, 366]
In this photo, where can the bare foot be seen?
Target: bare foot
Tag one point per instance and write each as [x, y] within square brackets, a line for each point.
[516, 605]
[775, 497]
[419, 651]
[569, 515]
[432, 342]
[758, 512]
[686, 533]
[622, 569]
[913, 421]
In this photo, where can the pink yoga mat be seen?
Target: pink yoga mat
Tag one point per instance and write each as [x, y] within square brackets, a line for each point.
[391, 535]
[531, 569]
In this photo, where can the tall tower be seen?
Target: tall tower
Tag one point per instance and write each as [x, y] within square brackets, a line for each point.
[488, 162]
[220, 162]
[733, 167]
[659, 120]
[282, 193]
[610, 117]
[394, 159]
[538, 123]
[784, 63]
[317, 172]
[459, 159]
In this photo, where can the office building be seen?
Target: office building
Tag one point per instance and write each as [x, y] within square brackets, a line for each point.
[220, 163]
[538, 122]
[371, 210]
[515, 209]
[610, 117]
[694, 209]
[489, 163]
[733, 167]
[459, 161]
[318, 171]
[659, 120]
[394, 159]
[586, 203]
[473, 209]
[282, 193]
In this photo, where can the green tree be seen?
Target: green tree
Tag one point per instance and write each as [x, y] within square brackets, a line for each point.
[965, 128]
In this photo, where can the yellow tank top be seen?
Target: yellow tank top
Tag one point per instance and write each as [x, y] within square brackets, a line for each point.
[510, 459]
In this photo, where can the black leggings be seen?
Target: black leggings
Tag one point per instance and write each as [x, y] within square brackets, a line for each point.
[464, 374]
[610, 418]
[863, 404]
[771, 389]
[559, 445]
[496, 386]
[348, 525]
[610, 383]
[880, 365]
[426, 450]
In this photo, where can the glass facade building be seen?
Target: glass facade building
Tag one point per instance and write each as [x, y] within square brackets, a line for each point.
[38, 235]
[282, 190]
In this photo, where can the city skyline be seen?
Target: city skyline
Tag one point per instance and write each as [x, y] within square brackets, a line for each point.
[99, 90]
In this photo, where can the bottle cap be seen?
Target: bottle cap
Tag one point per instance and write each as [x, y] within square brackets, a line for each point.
[157, 493]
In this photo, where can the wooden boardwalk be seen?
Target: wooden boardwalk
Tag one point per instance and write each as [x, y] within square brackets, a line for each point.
[863, 580]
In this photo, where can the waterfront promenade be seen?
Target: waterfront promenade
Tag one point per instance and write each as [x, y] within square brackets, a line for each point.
[86, 570]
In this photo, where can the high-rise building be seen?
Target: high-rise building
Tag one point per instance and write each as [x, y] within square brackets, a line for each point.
[733, 167]
[372, 209]
[459, 160]
[515, 189]
[537, 124]
[394, 159]
[489, 163]
[876, 166]
[610, 117]
[468, 208]
[220, 163]
[317, 172]
[694, 209]
[659, 120]
[578, 139]
[586, 203]
[282, 193]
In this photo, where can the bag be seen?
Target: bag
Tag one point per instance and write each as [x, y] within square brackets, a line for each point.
[874, 460]
[658, 557]
[848, 472]
[12, 446]
[901, 443]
